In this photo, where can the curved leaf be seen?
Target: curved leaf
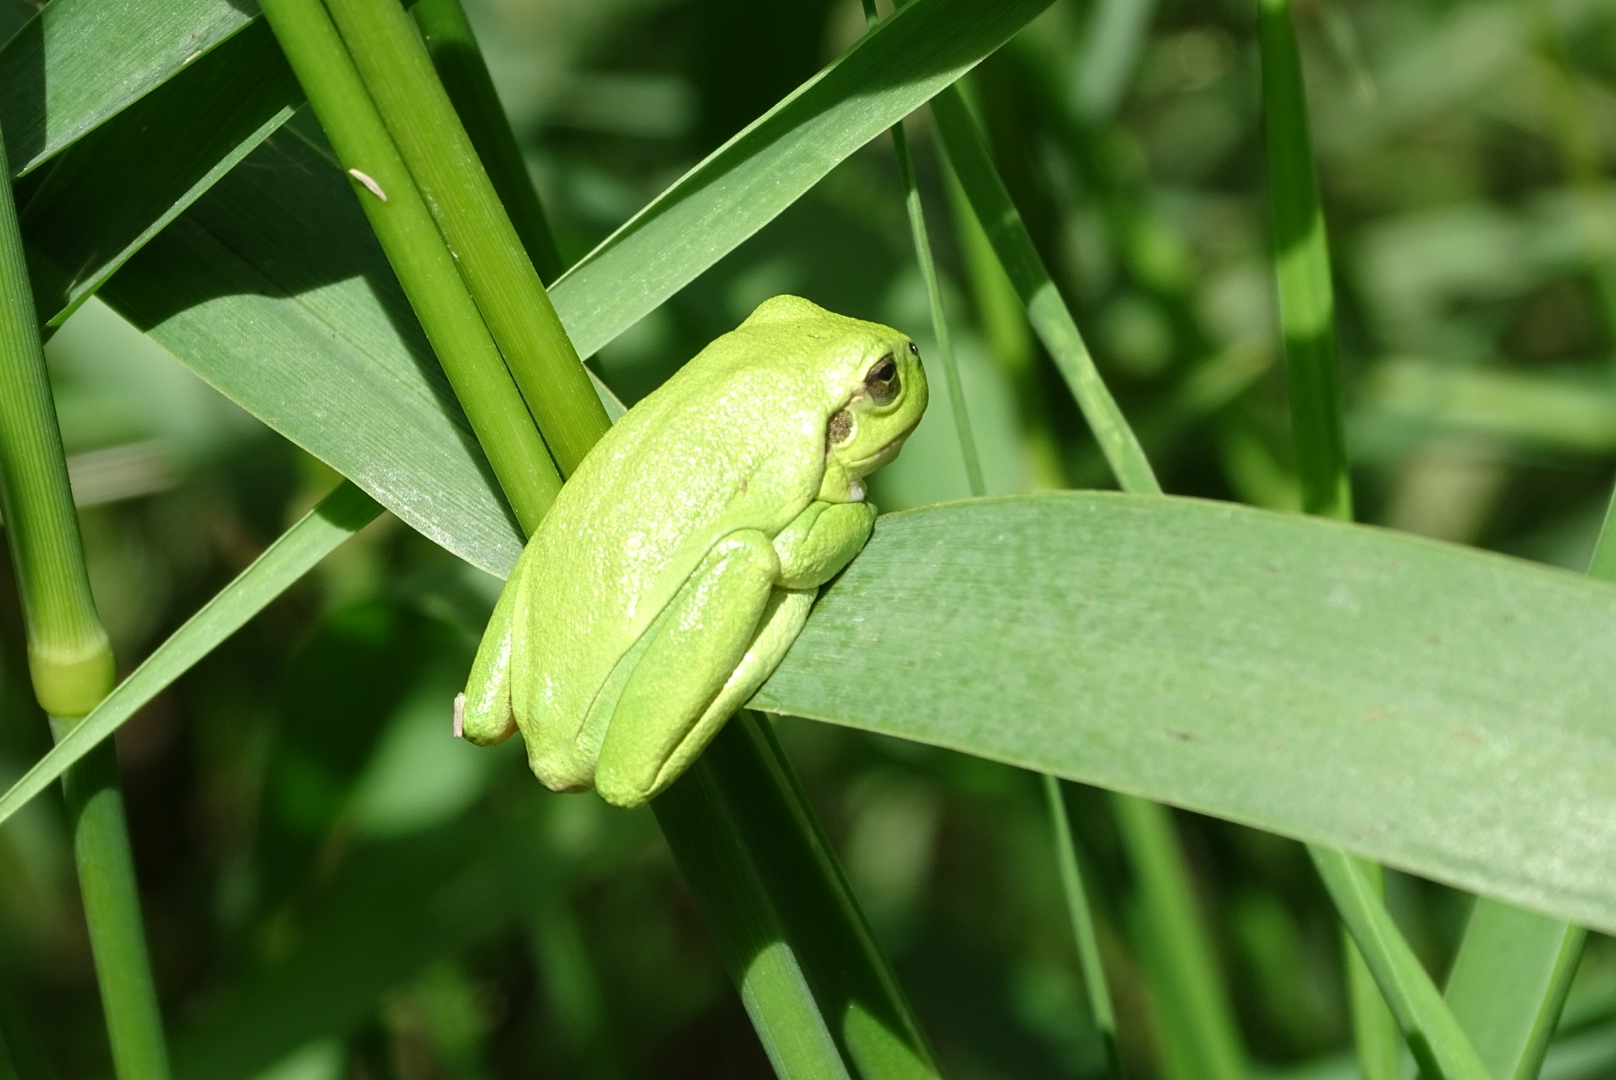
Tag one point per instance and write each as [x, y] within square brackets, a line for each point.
[1443, 710]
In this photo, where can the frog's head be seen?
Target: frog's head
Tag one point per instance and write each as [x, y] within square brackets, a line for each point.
[874, 383]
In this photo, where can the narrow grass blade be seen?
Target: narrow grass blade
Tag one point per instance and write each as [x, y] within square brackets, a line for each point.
[939, 318]
[817, 988]
[1115, 36]
[743, 184]
[1185, 980]
[1438, 1042]
[70, 663]
[1509, 983]
[1400, 684]
[1045, 308]
[321, 531]
[1307, 322]
[1081, 915]
[1302, 265]
[79, 62]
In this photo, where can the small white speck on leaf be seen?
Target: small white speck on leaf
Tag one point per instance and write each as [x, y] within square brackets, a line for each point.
[370, 185]
[460, 715]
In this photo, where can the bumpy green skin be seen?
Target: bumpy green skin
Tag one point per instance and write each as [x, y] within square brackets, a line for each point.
[680, 560]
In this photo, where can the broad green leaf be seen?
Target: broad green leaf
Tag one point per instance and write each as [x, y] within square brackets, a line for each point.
[272, 288]
[338, 516]
[1440, 709]
[79, 62]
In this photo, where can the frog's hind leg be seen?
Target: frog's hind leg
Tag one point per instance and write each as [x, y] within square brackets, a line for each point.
[666, 712]
[782, 621]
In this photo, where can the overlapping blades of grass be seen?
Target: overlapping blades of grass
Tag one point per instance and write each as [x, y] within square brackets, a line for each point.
[79, 62]
[322, 530]
[272, 290]
[1543, 958]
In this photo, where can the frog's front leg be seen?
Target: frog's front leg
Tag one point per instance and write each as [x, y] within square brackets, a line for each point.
[698, 642]
[820, 541]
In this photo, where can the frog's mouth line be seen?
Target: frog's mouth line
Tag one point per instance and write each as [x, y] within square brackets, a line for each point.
[865, 465]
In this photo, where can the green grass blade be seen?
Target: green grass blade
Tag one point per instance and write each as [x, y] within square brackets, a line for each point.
[115, 189]
[1115, 36]
[1307, 323]
[1184, 974]
[79, 62]
[1185, 981]
[1382, 714]
[1509, 983]
[939, 318]
[784, 919]
[322, 530]
[1045, 308]
[1438, 1042]
[70, 663]
[1081, 915]
[1302, 263]
[743, 184]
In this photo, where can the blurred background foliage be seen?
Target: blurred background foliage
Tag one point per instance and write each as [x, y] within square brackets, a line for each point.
[334, 889]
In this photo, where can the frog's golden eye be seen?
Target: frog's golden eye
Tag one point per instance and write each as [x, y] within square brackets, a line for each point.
[882, 381]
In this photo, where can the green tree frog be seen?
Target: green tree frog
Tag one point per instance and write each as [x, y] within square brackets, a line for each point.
[680, 560]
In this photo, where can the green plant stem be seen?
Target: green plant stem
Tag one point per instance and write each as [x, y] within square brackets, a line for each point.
[1185, 973]
[1081, 915]
[459, 63]
[1302, 262]
[70, 661]
[398, 73]
[1438, 1042]
[818, 990]
[415, 249]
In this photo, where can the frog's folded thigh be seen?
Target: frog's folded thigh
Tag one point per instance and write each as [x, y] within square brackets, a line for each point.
[687, 657]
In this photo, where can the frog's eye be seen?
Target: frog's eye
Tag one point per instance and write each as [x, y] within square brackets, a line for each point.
[914, 350]
[882, 381]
